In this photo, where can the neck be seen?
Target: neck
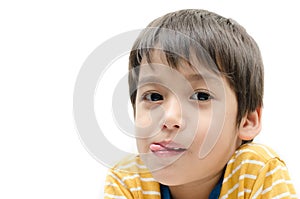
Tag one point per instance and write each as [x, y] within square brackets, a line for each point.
[198, 189]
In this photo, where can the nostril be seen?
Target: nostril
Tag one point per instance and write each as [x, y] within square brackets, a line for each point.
[176, 126]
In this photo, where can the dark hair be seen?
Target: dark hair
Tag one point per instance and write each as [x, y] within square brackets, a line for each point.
[232, 50]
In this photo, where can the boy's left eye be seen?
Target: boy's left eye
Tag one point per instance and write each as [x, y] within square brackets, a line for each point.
[201, 96]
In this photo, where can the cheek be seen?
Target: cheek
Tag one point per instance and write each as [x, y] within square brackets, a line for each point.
[228, 140]
[205, 121]
[202, 131]
[214, 127]
[148, 122]
[142, 117]
[147, 117]
[142, 145]
[142, 131]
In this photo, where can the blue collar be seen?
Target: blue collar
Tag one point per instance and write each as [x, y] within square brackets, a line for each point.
[165, 191]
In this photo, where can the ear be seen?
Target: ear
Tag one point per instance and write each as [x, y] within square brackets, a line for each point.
[250, 125]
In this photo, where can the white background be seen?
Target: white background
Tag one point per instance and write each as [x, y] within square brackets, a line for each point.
[43, 45]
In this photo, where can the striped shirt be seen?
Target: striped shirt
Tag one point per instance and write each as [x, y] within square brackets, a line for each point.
[254, 171]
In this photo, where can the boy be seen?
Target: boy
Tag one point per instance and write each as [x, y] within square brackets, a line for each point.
[196, 86]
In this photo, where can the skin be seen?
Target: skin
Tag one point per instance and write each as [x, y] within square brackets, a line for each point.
[184, 106]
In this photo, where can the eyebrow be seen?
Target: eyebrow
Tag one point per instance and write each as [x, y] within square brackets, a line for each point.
[197, 77]
[149, 79]
[191, 78]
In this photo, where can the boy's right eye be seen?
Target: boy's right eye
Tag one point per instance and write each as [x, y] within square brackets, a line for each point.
[153, 97]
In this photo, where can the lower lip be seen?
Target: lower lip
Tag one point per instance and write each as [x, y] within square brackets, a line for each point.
[167, 153]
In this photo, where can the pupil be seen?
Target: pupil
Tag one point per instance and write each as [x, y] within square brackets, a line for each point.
[203, 96]
[156, 97]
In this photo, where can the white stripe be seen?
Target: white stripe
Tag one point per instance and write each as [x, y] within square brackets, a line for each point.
[144, 192]
[148, 179]
[151, 193]
[282, 195]
[238, 167]
[130, 165]
[240, 152]
[111, 184]
[241, 193]
[294, 196]
[254, 162]
[232, 173]
[114, 196]
[130, 177]
[273, 185]
[135, 189]
[257, 193]
[230, 161]
[267, 151]
[230, 191]
[247, 190]
[274, 170]
[116, 178]
[138, 176]
[253, 177]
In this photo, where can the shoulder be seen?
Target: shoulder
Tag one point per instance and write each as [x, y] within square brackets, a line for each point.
[250, 159]
[255, 169]
[132, 163]
[132, 179]
[259, 153]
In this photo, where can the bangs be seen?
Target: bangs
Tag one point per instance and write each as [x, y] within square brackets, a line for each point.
[175, 47]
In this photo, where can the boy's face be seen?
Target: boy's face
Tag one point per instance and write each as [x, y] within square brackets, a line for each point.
[185, 122]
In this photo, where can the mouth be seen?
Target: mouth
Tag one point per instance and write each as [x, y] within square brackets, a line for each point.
[167, 149]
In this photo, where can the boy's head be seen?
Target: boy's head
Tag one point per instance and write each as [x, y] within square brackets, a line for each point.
[234, 53]
[196, 85]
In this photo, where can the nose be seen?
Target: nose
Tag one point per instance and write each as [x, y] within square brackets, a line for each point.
[173, 120]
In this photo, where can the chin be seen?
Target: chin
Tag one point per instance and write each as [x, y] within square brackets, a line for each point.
[169, 178]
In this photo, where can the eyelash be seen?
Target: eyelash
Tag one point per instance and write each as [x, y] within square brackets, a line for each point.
[199, 96]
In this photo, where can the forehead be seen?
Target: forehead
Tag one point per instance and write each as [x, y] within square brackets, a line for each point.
[157, 65]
